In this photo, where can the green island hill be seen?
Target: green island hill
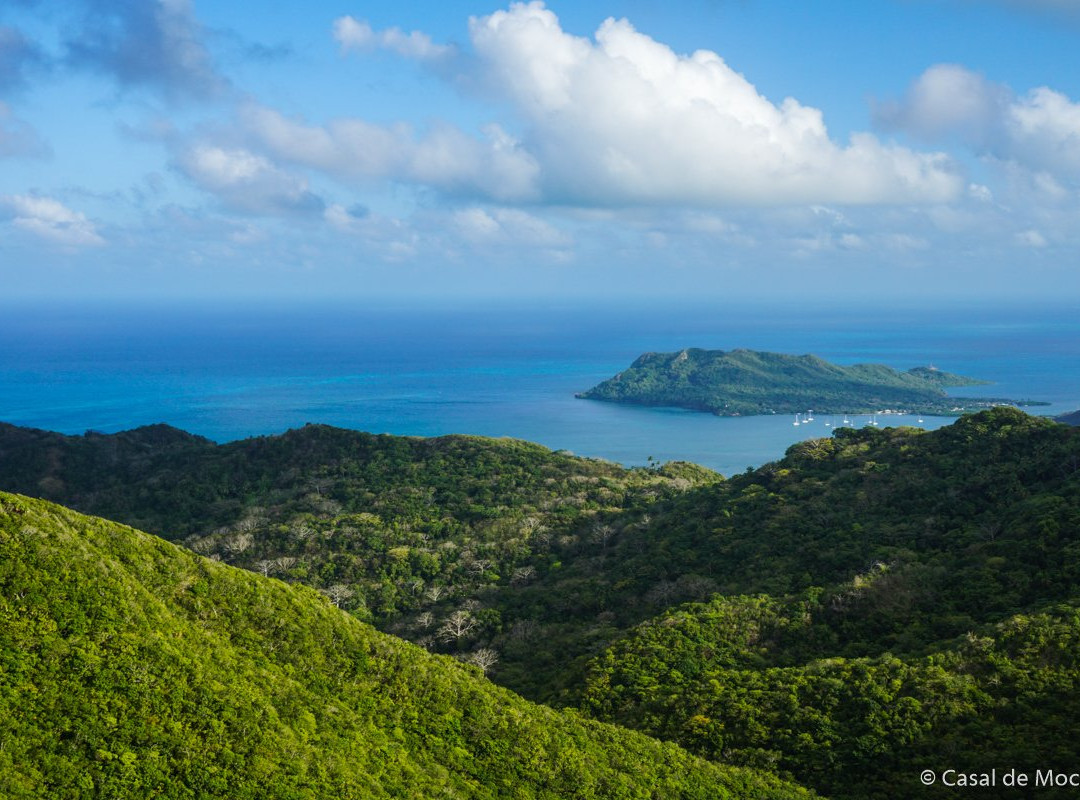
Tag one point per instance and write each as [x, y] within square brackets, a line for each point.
[735, 383]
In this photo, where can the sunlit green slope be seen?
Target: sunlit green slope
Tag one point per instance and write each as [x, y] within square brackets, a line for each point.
[130, 668]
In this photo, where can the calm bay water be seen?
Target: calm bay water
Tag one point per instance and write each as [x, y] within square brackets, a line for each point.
[229, 373]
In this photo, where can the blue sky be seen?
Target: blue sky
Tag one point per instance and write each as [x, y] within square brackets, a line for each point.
[212, 149]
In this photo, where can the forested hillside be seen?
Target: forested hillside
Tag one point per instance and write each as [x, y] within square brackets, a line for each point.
[872, 604]
[130, 668]
[432, 539]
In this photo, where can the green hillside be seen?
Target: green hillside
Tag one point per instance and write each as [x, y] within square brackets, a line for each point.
[132, 668]
[431, 539]
[888, 601]
[731, 680]
[975, 521]
[747, 382]
[873, 604]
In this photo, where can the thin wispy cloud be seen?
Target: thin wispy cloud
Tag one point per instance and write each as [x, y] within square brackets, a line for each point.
[354, 34]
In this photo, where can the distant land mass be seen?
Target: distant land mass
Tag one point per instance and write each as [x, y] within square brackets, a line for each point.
[741, 382]
[1072, 418]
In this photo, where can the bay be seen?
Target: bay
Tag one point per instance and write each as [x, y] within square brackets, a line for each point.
[230, 371]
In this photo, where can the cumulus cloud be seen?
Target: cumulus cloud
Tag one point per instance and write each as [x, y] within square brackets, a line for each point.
[947, 100]
[1039, 130]
[626, 120]
[246, 181]
[148, 43]
[354, 34]
[444, 157]
[49, 219]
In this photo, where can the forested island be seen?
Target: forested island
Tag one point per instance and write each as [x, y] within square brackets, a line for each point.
[874, 604]
[735, 383]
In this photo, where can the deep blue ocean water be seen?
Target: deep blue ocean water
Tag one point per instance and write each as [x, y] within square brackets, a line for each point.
[230, 372]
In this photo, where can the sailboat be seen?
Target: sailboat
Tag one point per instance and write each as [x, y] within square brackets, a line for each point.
[796, 420]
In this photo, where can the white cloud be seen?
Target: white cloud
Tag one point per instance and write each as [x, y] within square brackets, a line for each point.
[947, 100]
[1039, 130]
[352, 33]
[50, 219]
[444, 157]
[246, 181]
[390, 239]
[507, 226]
[1044, 130]
[624, 120]
[1031, 238]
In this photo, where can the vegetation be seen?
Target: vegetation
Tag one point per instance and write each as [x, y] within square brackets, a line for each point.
[889, 601]
[130, 668]
[432, 539]
[745, 382]
[873, 604]
[729, 680]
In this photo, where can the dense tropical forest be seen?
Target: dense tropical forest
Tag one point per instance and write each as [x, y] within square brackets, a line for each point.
[747, 382]
[874, 604]
[134, 669]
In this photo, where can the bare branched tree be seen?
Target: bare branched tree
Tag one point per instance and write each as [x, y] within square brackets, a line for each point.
[237, 544]
[339, 594]
[284, 563]
[301, 531]
[485, 658]
[457, 626]
[523, 576]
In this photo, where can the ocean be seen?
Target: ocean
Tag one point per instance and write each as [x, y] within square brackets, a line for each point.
[229, 372]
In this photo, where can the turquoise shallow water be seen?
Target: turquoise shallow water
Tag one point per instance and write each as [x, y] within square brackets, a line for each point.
[228, 373]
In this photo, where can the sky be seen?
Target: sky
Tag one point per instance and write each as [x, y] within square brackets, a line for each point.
[908, 149]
